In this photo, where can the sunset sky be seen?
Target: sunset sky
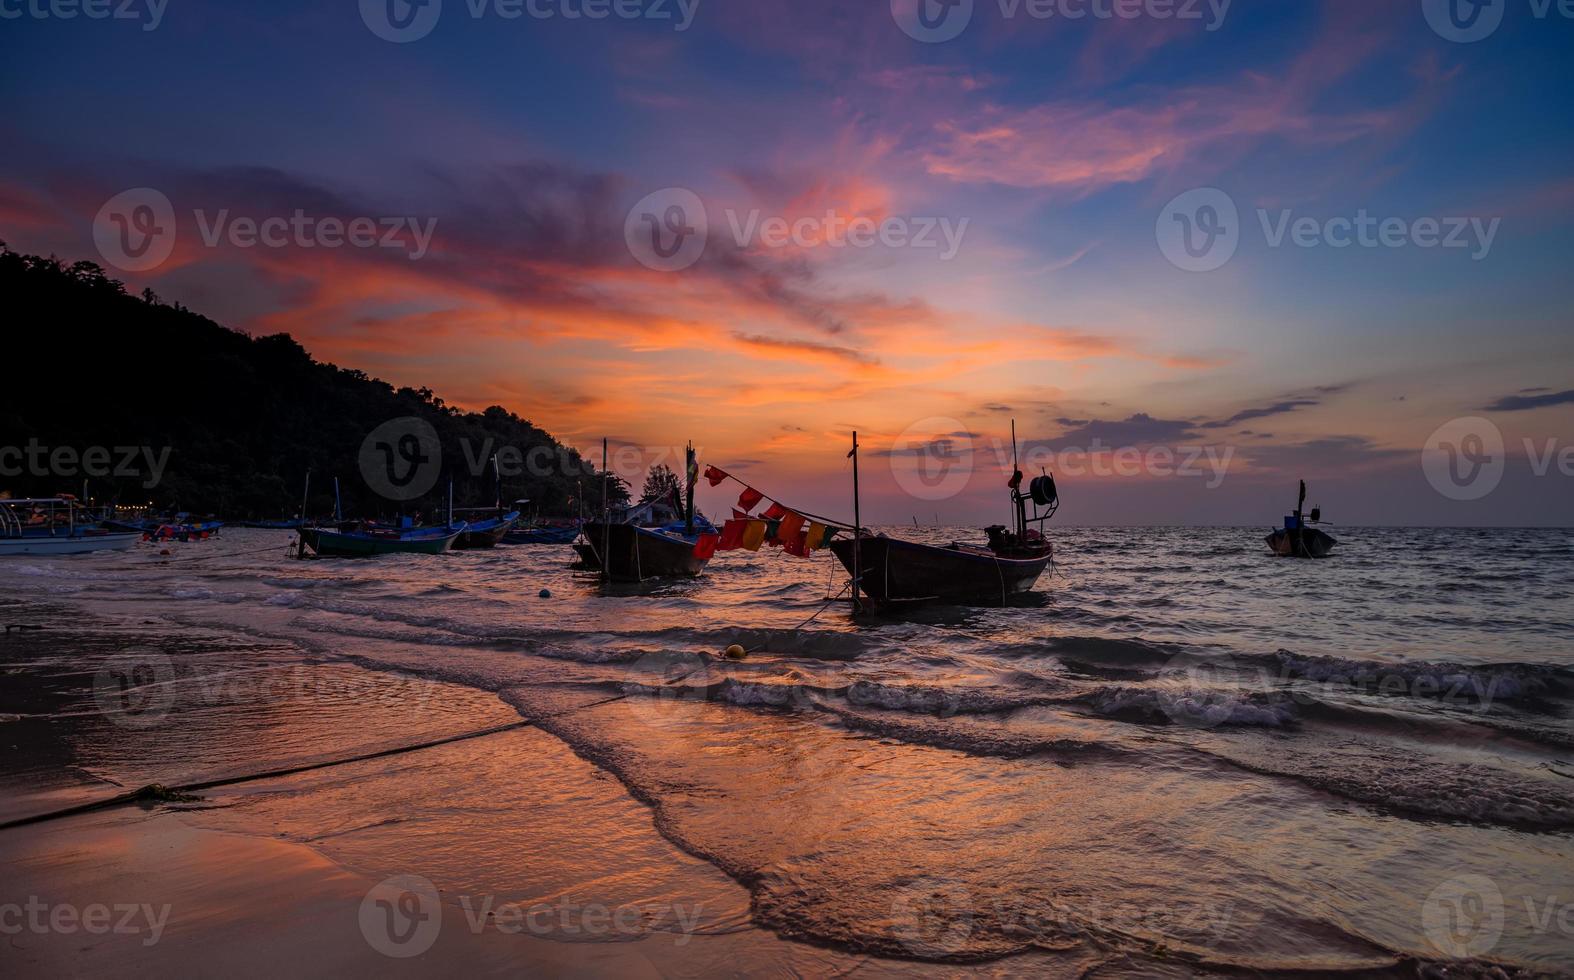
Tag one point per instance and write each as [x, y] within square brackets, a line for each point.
[1049, 148]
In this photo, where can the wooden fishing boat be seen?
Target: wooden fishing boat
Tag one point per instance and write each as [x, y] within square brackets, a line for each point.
[48, 526]
[889, 570]
[487, 533]
[324, 541]
[543, 534]
[896, 570]
[630, 552]
[1297, 539]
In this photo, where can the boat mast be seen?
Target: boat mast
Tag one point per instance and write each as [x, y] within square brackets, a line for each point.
[606, 517]
[688, 476]
[306, 493]
[338, 512]
[1016, 487]
[858, 530]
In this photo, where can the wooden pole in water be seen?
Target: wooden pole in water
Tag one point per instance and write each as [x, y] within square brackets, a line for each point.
[606, 516]
[858, 528]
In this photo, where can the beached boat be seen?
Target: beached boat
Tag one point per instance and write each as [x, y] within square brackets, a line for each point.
[631, 550]
[324, 541]
[891, 570]
[1299, 540]
[487, 533]
[49, 526]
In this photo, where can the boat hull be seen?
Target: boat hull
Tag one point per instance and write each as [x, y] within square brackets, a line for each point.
[634, 554]
[542, 535]
[906, 571]
[340, 545]
[65, 544]
[1301, 543]
[487, 535]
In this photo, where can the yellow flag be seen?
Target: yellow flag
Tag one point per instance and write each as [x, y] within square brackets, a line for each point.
[754, 536]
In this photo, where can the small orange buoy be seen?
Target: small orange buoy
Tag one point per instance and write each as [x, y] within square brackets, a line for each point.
[736, 652]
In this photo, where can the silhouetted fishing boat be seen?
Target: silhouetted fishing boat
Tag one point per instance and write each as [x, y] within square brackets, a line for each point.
[629, 551]
[1296, 539]
[380, 541]
[487, 533]
[894, 570]
[49, 526]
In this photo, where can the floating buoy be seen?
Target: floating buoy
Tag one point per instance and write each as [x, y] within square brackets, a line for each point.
[545, 593]
[164, 552]
[736, 652]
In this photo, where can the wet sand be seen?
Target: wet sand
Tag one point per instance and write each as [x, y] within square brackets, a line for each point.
[495, 854]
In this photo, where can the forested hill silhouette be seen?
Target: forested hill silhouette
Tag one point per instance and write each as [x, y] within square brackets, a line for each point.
[94, 375]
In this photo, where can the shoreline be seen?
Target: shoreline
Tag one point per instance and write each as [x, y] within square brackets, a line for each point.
[566, 835]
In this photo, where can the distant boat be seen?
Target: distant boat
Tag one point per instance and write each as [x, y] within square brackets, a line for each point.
[48, 526]
[487, 533]
[1296, 539]
[543, 534]
[380, 541]
[892, 570]
[279, 525]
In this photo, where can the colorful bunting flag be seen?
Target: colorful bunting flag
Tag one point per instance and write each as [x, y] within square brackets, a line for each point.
[705, 547]
[796, 544]
[748, 498]
[815, 537]
[792, 527]
[775, 512]
[753, 536]
[714, 475]
[732, 535]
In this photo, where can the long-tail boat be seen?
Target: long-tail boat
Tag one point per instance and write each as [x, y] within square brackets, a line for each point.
[1297, 539]
[324, 541]
[630, 552]
[49, 526]
[488, 532]
[891, 570]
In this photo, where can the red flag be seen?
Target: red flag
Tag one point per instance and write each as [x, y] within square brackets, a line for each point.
[714, 475]
[705, 547]
[797, 544]
[748, 498]
[775, 512]
[791, 529]
[732, 535]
